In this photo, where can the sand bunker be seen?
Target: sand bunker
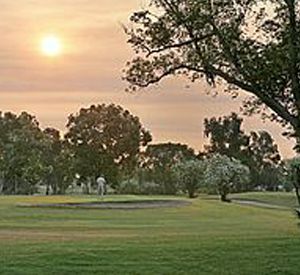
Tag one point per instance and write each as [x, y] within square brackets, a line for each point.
[130, 205]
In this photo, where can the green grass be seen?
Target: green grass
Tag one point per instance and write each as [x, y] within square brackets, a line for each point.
[287, 199]
[207, 237]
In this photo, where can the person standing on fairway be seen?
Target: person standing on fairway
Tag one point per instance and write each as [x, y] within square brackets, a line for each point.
[101, 182]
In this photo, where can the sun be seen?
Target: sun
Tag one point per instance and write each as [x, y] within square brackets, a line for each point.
[51, 46]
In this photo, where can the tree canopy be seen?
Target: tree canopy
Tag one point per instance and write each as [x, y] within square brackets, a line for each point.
[158, 162]
[226, 136]
[21, 153]
[105, 139]
[247, 45]
[226, 175]
[256, 150]
[59, 160]
[191, 174]
[293, 173]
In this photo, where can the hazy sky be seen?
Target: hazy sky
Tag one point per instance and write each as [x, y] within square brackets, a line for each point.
[89, 71]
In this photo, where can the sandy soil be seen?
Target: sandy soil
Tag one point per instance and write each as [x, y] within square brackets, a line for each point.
[130, 205]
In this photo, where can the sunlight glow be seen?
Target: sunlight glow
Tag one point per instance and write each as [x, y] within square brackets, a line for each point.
[51, 46]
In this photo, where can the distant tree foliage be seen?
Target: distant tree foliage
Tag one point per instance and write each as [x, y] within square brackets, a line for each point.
[108, 140]
[102, 139]
[21, 149]
[58, 158]
[158, 161]
[293, 173]
[226, 136]
[258, 151]
[105, 139]
[226, 175]
[264, 160]
[251, 46]
[191, 175]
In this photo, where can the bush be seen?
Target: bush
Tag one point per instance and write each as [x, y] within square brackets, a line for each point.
[150, 188]
[129, 187]
[226, 175]
[191, 174]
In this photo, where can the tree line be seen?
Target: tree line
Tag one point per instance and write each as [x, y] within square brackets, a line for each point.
[236, 46]
[109, 140]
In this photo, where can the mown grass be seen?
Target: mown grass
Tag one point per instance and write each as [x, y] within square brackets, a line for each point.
[207, 237]
[287, 199]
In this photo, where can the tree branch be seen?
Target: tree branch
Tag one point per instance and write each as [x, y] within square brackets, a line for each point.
[178, 45]
[293, 52]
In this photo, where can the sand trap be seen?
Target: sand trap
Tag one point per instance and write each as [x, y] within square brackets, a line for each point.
[126, 205]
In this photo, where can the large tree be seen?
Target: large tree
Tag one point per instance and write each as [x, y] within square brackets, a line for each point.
[293, 175]
[59, 160]
[247, 45]
[225, 175]
[191, 175]
[257, 150]
[264, 160]
[21, 153]
[105, 139]
[159, 160]
[226, 136]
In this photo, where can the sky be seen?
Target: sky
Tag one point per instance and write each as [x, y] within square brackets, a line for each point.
[89, 71]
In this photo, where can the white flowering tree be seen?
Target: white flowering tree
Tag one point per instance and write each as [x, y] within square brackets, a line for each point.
[191, 175]
[226, 175]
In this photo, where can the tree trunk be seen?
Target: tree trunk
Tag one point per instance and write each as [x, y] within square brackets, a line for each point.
[297, 185]
[86, 188]
[47, 190]
[54, 189]
[224, 198]
[1, 185]
[297, 194]
[191, 193]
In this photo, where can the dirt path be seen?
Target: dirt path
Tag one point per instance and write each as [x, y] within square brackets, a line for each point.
[259, 204]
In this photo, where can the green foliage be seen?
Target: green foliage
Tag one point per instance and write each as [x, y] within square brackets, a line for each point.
[158, 162]
[258, 151]
[293, 175]
[59, 159]
[226, 136]
[135, 187]
[264, 160]
[21, 148]
[249, 46]
[105, 139]
[226, 175]
[130, 186]
[191, 175]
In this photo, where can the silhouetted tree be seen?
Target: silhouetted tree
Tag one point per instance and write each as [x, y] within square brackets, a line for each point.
[249, 46]
[264, 160]
[258, 151]
[293, 172]
[226, 136]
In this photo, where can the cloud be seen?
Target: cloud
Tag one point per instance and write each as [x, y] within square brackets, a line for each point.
[90, 71]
